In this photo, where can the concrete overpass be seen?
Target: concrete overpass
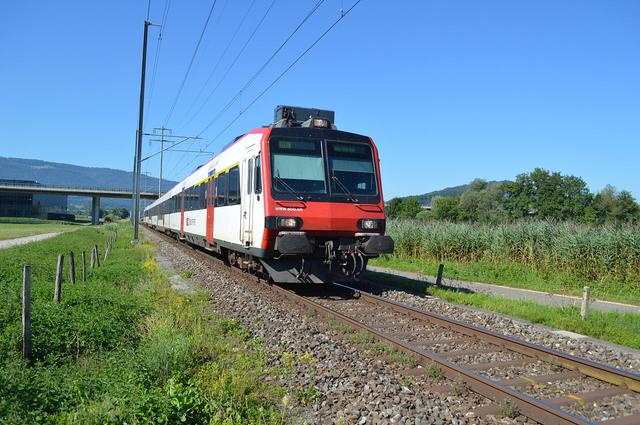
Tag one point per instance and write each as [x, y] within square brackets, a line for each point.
[94, 192]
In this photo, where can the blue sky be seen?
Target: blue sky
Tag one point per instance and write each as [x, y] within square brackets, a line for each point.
[449, 90]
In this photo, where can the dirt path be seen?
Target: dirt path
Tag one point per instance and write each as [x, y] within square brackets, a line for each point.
[27, 239]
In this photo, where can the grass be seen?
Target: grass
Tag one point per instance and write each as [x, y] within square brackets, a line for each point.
[12, 231]
[513, 275]
[125, 347]
[551, 257]
[619, 328]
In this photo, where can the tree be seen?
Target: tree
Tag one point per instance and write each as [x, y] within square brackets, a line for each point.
[625, 209]
[446, 208]
[393, 208]
[611, 206]
[603, 204]
[409, 208]
[482, 201]
[120, 212]
[547, 195]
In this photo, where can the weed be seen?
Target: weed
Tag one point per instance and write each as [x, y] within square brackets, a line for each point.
[187, 274]
[459, 388]
[433, 371]
[339, 326]
[309, 395]
[509, 409]
[360, 337]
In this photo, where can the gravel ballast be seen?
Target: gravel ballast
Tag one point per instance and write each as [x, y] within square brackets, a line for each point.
[329, 379]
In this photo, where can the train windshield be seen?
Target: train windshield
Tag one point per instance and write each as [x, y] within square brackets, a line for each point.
[315, 167]
[297, 166]
[351, 168]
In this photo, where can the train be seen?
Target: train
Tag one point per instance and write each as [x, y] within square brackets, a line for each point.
[296, 200]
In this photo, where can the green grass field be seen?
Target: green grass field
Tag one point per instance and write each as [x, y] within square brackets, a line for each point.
[623, 329]
[18, 230]
[551, 257]
[125, 347]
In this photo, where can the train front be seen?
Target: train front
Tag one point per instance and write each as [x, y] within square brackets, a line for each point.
[324, 206]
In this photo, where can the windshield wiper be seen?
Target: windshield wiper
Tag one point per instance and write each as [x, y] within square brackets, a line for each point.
[289, 188]
[344, 188]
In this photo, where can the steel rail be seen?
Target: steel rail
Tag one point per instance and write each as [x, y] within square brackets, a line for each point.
[533, 408]
[587, 367]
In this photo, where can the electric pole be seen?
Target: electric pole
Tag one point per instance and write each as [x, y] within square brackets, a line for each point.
[138, 154]
[162, 139]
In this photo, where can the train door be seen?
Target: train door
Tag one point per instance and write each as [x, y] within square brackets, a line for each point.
[248, 196]
[182, 213]
[210, 202]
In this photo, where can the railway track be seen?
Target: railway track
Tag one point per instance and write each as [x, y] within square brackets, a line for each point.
[545, 385]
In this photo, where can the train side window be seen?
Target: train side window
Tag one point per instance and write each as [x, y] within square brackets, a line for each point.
[249, 175]
[202, 199]
[258, 176]
[221, 189]
[233, 197]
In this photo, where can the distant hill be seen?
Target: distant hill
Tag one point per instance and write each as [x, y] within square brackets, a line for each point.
[426, 198]
[59, 174]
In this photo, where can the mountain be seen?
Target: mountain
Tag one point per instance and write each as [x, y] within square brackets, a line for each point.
[59, 174]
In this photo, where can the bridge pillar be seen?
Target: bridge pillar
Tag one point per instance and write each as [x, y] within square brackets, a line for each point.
[95, 209]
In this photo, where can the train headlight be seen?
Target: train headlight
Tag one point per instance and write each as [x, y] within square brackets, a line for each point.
[370, 224]
[289, 222]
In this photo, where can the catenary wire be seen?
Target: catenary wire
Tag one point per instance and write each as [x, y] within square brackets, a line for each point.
[235, 60]
[229, 68]
[186, 74]
[156, 59]
[255, 99]
[256, 74]
[215, 67]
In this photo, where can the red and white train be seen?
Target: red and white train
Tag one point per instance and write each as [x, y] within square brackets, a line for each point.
[298, 200]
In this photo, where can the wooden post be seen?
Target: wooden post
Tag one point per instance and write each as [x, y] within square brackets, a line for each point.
[439, 278]
[27, 352]
[97, 255]
[84, 268]
[56, 293]
[72, 268]
[93, 257]
[584, 310]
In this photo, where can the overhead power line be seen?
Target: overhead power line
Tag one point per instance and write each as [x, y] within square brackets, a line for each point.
[186, 74]
[222, 55]
[256, 74]
[282, 74]
[264, 66]
[156, 58]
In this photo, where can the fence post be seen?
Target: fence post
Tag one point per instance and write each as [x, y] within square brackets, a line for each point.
[584, 310]
[439, 278]
[93, 258]
[97, 255]
[107, 250]
[84, 268]
[72, 268]
[56, 293]
[27, 351]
